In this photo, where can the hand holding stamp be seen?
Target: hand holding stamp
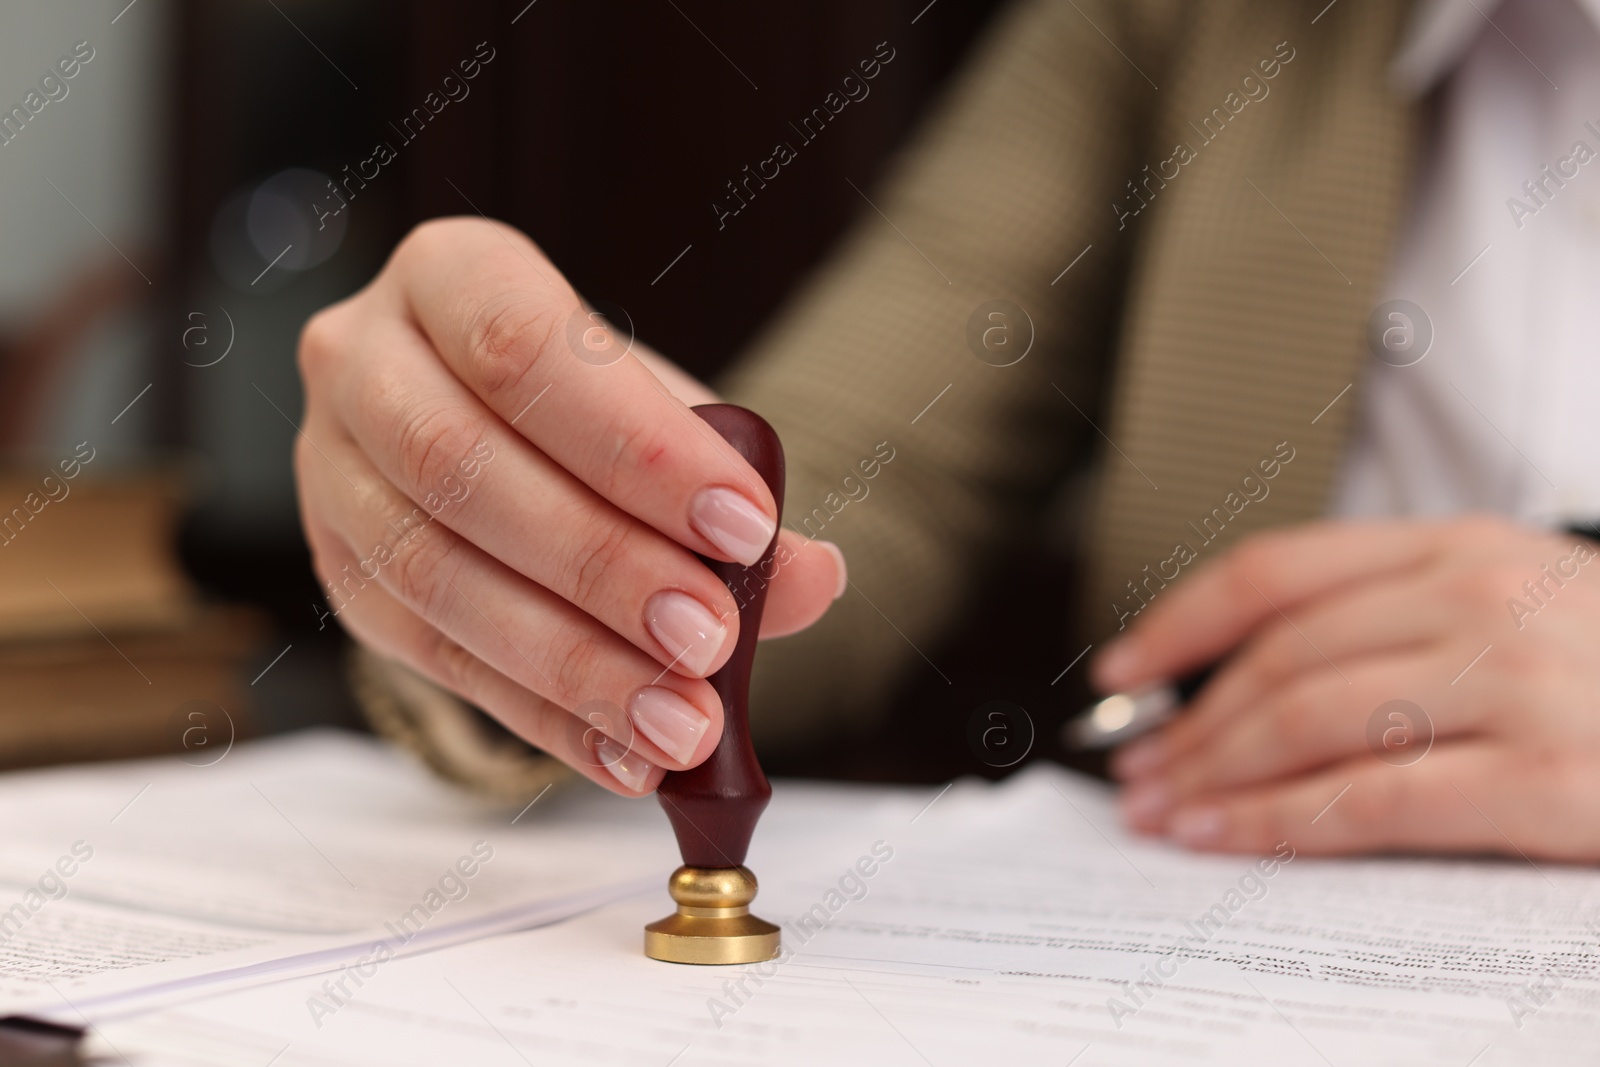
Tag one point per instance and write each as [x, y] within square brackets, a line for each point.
[714, 807]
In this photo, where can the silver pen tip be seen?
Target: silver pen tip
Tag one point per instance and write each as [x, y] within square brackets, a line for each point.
[1121, 717]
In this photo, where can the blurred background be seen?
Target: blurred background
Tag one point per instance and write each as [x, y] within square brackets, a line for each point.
[168, 228]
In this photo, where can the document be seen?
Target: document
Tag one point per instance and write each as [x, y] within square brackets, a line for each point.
[132, 884]
[1013, 923]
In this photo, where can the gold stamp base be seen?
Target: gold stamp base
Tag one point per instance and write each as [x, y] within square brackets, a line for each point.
[713, 924]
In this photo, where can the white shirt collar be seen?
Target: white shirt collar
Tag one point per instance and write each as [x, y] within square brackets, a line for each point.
[1439, 35]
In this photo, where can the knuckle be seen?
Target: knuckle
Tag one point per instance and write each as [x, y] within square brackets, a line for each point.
[319, 343]
[506, 338]
[609, 543]
[431, 444]
[637, 445]
[420, 571]
[425, 239]
[628, 452]
[491, 241]
[456, 668]
[578, 662]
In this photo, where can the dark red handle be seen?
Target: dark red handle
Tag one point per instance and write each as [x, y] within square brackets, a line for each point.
[715, 806]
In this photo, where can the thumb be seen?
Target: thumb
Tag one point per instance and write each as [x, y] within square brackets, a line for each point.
[810, 576]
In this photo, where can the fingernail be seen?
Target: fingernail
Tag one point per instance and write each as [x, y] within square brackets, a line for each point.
[687, 629]
[1199, 826]
[674, 724]
[838, 559]
[625, 765]
[1145, 805]
[1140, 758]
[1117, 665]
[735, 525]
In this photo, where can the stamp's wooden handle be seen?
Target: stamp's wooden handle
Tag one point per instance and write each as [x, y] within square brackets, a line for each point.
[714, 807]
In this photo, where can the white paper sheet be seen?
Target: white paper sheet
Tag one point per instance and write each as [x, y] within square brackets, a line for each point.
[1005, 927]
[139, 880]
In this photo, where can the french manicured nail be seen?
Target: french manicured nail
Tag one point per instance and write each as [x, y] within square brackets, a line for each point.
[674, 724]
[735, 525]
[1117, 664]
[1140, 758]
[1199, 826]
[1147, 804]
[838, 558]
[686, 628]
[625, 765]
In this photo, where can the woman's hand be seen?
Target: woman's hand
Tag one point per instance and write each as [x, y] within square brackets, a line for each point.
[500, 496]
[1491, 629]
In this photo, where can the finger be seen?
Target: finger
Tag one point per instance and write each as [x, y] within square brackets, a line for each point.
[687, 388]
[1322, 718]
[1197, 621]
[810, 576]
[478, 296]
[1467, 796]
[1329, 633]
[438, 443]
[384, 625]
[1327, 636]
[518, 628]
[807, 582]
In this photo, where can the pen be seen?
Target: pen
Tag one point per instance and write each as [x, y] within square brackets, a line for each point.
[1121, 717]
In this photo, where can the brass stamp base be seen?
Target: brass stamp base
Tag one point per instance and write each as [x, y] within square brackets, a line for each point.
[713, 924]
[689, 939]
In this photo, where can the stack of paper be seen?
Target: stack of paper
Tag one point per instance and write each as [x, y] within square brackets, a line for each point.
[1014, 924]
[134, 884]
